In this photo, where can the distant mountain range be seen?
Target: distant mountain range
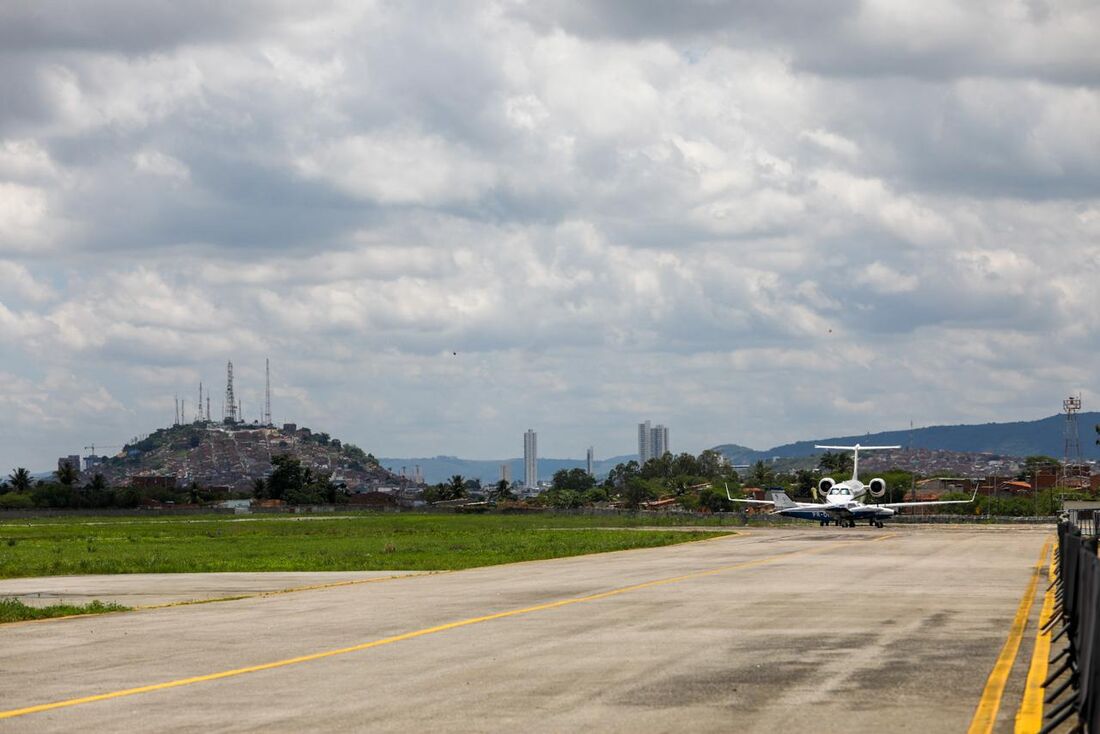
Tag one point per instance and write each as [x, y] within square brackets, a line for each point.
[1021, 438]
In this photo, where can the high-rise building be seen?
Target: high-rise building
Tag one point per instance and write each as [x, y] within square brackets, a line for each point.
[530, 460]
[506, 472]
[652, 442]
[590, 460]
[659, 441]
[645, 445]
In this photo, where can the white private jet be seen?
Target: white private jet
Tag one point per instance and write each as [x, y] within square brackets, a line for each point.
[842, 501]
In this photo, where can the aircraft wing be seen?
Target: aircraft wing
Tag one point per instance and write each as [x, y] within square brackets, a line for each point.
[753, 502]
[895, 505]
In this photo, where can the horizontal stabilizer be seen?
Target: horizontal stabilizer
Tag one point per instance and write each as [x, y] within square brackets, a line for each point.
[857, 447]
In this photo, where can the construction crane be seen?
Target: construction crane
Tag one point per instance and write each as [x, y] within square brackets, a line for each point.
[92, 447]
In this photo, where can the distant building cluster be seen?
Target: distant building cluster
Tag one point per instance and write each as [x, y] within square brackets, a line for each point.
[652, 441]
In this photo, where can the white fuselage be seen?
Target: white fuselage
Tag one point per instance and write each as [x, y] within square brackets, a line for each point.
[844, 492]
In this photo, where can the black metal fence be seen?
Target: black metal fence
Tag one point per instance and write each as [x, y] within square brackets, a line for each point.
[1073, 687]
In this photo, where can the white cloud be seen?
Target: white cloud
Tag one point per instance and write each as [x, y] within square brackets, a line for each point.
[755, 223]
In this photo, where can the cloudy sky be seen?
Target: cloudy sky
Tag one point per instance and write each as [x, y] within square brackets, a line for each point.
[446, 222]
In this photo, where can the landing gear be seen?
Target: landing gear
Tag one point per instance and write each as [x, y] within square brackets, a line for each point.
[878, 524]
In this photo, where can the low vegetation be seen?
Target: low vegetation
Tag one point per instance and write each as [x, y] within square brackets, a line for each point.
[13, 610]
[320, 543]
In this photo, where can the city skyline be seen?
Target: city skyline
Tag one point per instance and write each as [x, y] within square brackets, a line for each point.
[758, 223]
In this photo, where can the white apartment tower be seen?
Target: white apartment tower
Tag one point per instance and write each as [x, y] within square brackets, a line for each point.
[590, 461]
[645, 444]
[506, 472]
[659, 441]
[530, 460]
[652, 442]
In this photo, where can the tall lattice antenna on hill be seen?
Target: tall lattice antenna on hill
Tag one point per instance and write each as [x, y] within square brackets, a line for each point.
[230, 399]
[207, 407]
[267, 392]
[198, 415]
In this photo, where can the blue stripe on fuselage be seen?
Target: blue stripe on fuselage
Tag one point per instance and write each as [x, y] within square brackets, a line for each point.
[808, 514]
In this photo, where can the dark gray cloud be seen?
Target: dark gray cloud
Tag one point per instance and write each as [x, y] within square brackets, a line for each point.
[129, 27]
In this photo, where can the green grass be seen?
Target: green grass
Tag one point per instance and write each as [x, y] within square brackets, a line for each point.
[13, 610]
[90, 545]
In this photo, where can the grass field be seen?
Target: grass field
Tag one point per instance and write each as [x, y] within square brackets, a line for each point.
[13, 610]
[416, 542]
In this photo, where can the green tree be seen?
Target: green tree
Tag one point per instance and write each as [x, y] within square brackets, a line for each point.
[456, 488]
[67, 474]
[20, 480]
[259, 489]
[622, 473]
[710, 463]
[575, 479]
[839, 463]
[714, 501]
[804, 482]
[761, 475]
[636, 492]
[501, 491]
[287, 476]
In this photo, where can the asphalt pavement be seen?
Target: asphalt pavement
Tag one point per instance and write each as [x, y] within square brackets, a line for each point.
[799, 629]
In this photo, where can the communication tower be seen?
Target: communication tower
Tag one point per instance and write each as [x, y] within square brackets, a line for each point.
[230, 400]
[1071, 461]
[267, 392]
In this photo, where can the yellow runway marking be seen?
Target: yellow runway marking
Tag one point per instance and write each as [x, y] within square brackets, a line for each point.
[418, 633]
[986, 714]
[1029, 719]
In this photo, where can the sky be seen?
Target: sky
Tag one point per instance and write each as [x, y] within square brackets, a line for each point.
[447, 222]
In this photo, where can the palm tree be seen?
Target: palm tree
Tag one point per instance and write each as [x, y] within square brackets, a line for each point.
[501, 491]
[98, 483]
[20, 480]
[456, 488]
[67, 474]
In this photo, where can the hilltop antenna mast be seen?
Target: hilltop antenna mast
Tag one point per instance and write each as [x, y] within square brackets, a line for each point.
[208, 407]
[198, 415]
[177, 421]
[267, 392]
[230, 400]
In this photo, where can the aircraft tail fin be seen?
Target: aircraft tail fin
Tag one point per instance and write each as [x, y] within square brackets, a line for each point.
[782, 501]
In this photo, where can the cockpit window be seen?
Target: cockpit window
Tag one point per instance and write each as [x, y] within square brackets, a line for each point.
[845, 492]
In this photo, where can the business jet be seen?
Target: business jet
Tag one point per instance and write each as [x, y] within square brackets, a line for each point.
[842, 500]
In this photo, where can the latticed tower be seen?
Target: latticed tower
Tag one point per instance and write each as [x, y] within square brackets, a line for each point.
[230, 400]
[1071, 461]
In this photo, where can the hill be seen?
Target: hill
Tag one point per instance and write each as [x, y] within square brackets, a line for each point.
[215, 455]
[1019, 438]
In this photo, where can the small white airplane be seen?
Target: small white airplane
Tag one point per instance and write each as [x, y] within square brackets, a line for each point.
[842, 501]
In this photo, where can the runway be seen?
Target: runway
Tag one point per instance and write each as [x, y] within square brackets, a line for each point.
[817, 629]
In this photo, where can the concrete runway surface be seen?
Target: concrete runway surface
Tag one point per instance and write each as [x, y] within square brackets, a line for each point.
[799, 629]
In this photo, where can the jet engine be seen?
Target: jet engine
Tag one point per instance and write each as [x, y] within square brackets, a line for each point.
[824, 486]
[877, 487]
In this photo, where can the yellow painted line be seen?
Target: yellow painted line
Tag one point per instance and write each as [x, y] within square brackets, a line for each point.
[990, 703]
[1029, 719]
[12, 713]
